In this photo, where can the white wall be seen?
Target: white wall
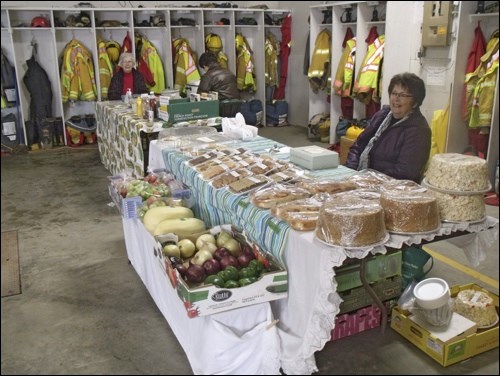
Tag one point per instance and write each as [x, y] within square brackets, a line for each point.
[297, 92]
[404, 22]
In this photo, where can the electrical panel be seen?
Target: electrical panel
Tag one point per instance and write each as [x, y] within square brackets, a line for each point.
[436, 28]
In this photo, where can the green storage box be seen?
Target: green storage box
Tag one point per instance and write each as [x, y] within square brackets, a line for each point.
[377, 268]
[184, 110]
[359, 297]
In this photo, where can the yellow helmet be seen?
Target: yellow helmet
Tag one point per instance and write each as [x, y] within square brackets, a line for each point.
[213, 43]
[113, 49]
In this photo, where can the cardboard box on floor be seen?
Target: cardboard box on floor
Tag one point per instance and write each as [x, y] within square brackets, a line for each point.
[454, 350]
[345, 145]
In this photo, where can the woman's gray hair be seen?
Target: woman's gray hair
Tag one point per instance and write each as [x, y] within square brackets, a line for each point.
[125, 55]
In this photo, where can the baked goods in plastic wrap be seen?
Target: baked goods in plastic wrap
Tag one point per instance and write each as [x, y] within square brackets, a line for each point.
[369, 179]
[409, 208]
[229, 177]
[185, 132]
[477, 306]
[301, 215]
[266, 165]
[217, 170]
[288, 175]
[326, 186]
[204, 158]
[458, 172]
[267, 197]
[247, 184]
[460, 208]
[351, 222]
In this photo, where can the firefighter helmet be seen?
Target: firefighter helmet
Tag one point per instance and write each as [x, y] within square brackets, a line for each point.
[40, 21]
[113, 49]
[213, 43]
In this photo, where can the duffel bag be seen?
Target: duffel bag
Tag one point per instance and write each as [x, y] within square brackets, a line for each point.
[277, 114]
[253, 112]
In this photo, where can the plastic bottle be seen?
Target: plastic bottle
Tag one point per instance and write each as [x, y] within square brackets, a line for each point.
[152, 104]
[139, 106]
[145, 106]
[128, 96]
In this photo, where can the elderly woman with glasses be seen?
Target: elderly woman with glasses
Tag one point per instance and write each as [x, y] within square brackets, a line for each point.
[126, 78]
[397, 140]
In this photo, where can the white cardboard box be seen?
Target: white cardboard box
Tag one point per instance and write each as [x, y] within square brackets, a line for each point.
[314, 157]
[203, 300]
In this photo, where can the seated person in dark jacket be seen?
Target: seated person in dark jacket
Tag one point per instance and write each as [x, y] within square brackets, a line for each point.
[397, 140]
[126, 78]
[216, 78]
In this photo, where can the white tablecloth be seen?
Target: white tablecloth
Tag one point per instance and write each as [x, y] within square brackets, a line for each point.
[232, 342]
[307, 315]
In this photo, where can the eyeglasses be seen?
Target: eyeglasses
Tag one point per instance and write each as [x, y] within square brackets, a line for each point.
[401, 95]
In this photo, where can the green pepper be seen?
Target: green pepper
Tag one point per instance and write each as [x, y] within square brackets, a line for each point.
[248, 272]
[222, 274]
[247, 281]
[231, 273]
[214, 279]
[231, 284]
[258, 266]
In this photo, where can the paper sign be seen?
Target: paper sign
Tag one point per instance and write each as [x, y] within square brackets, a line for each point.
[435, 76]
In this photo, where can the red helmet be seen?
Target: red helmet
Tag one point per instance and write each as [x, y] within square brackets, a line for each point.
[40, 22]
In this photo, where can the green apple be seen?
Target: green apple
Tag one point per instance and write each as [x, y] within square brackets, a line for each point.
[186, 247]
[204, 239]
[200, 257]
[172, 250]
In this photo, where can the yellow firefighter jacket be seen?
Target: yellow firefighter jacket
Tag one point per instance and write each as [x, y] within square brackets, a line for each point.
[366, 86]
[186, 70]
[153, 60]
[344, 78]
[319, 73]
[105, 68]
[77, 73]
[481, 86]
[271, 52]
[244, 65]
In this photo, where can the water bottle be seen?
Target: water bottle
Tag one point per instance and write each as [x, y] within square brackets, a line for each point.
[152, 104]
[128, 96]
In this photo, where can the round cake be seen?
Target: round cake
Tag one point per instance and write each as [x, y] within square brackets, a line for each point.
[458, 172]
[350, 222]
[460, 208]
[476, 306]
[409, 207]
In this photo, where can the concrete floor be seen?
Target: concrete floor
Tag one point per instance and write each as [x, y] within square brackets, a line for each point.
[84, 310]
